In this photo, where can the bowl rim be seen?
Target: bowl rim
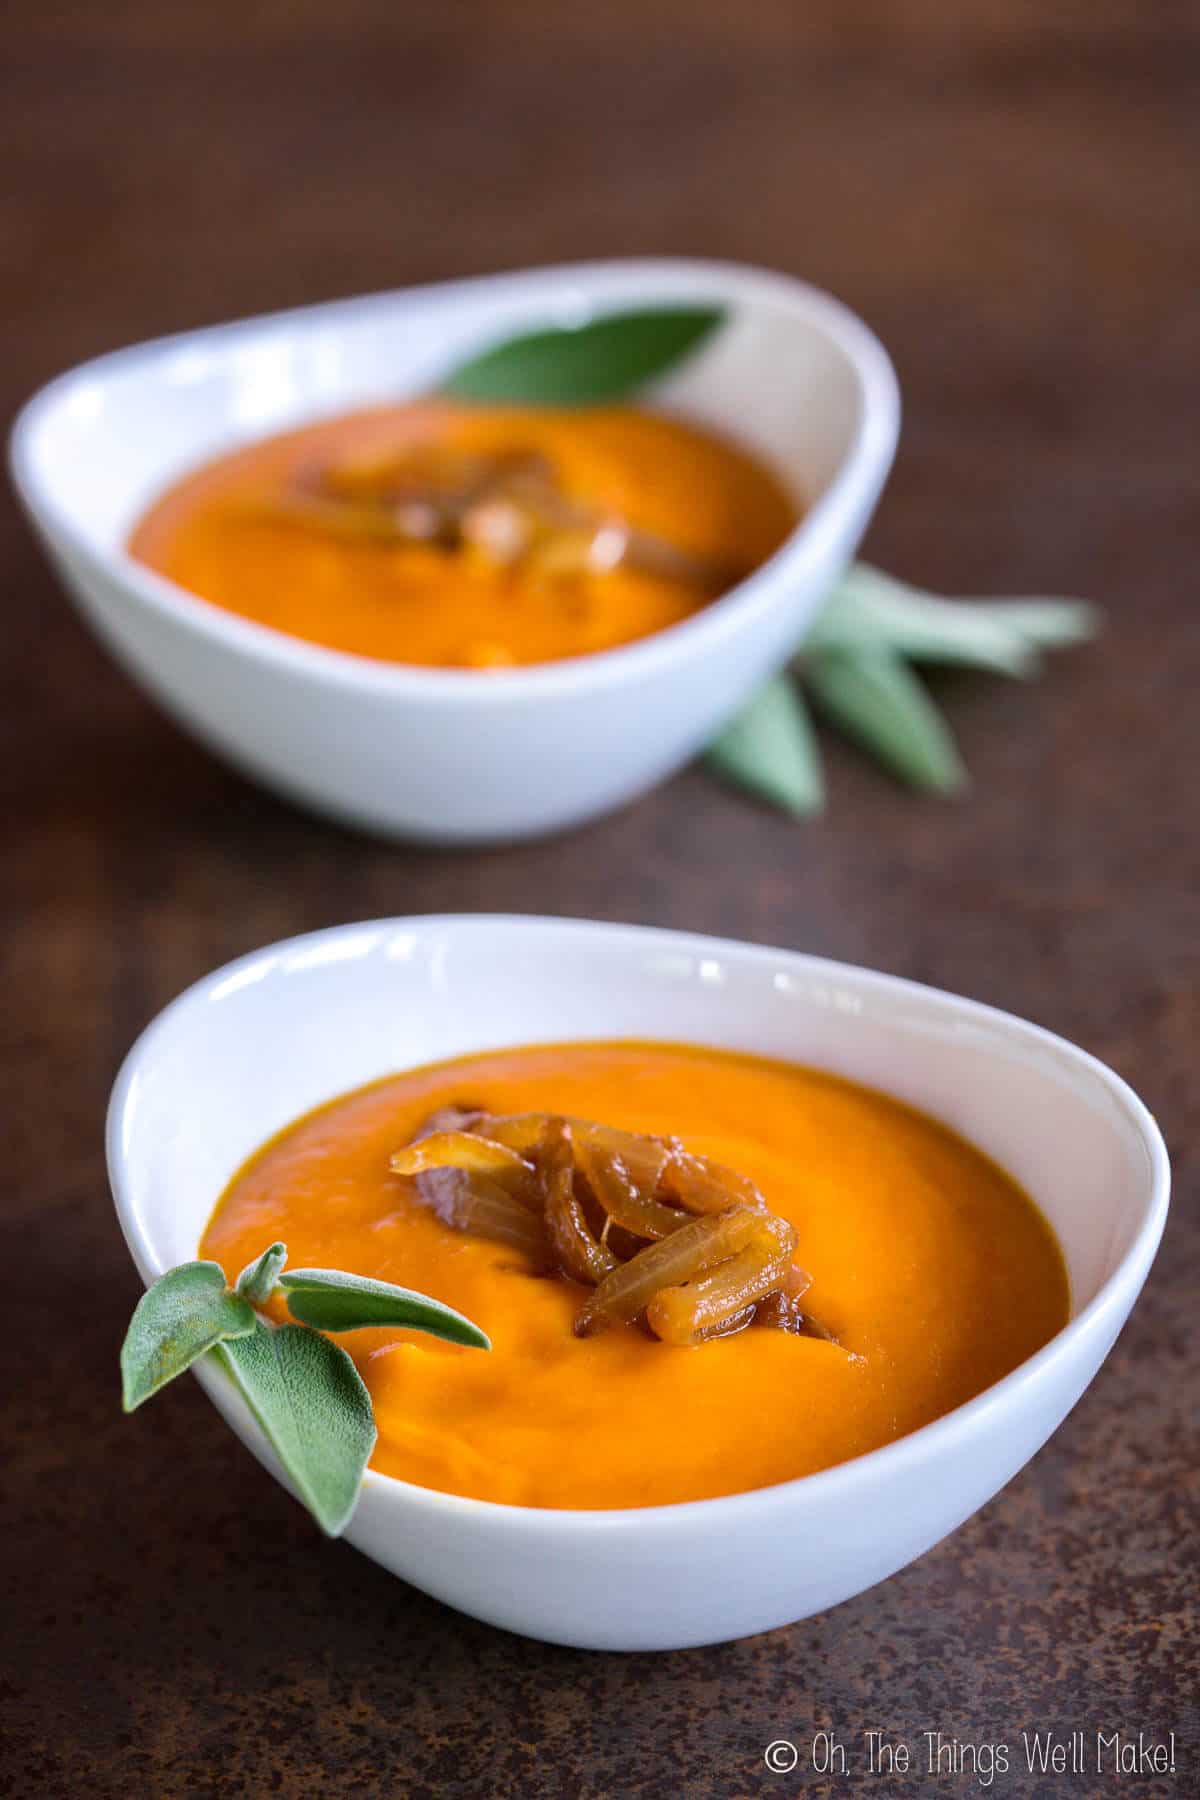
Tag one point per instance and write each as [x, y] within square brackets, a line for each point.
[1116, 1294]
[863, 467]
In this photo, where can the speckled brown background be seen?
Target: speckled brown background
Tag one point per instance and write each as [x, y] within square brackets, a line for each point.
[1008, 192]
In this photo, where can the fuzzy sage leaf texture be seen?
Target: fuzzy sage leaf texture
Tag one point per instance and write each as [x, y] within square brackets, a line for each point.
[303, 1390]
[185, 1313]
[587, 365]
[259, 1279]
[315, 1411]
[330, 1300]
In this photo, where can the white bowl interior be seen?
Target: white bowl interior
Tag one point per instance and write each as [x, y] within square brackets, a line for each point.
[251, 1048]
[786, 374]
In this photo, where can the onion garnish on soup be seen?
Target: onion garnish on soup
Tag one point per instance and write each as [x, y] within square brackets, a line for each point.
[675, 1240]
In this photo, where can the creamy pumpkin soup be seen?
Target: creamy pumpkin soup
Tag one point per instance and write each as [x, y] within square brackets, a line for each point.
[700, 1272]
[469, 537]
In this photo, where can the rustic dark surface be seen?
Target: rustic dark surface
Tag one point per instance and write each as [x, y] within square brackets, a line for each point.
[1008, 193]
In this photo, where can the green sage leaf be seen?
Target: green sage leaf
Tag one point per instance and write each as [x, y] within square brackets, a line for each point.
[258, 1279]
[333, 1301]
[770, 749]
[1046, 624]
[185, 1313]
[584, 365]
[877, 700]
[871, 611]
[315, 1410]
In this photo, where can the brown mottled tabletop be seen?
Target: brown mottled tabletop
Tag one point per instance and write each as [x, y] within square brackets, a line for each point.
[1008, 193]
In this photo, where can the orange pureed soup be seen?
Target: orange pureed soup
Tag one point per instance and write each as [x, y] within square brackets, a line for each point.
[454, 536]
[934, 1271]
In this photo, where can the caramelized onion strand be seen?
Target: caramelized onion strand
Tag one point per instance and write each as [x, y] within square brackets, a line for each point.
[457, 1150]
[659, 1232]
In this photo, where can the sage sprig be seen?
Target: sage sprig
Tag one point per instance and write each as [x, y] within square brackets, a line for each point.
[332, 1301]
[176, 1321]
[877, 700]
[304, 1391]
[314, 1410]
[771, 750]
[1005, 637]
[855, 663]
[585, 365]
[258, 1280]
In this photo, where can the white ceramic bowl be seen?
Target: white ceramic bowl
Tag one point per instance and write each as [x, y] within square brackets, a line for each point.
[248, 1049]
[452, 755]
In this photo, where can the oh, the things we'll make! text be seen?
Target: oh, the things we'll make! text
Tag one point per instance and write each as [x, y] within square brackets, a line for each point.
[1112, 1754]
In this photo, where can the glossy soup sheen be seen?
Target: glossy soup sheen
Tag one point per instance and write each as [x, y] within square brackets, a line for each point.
[934, 1269]
[212, 533]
